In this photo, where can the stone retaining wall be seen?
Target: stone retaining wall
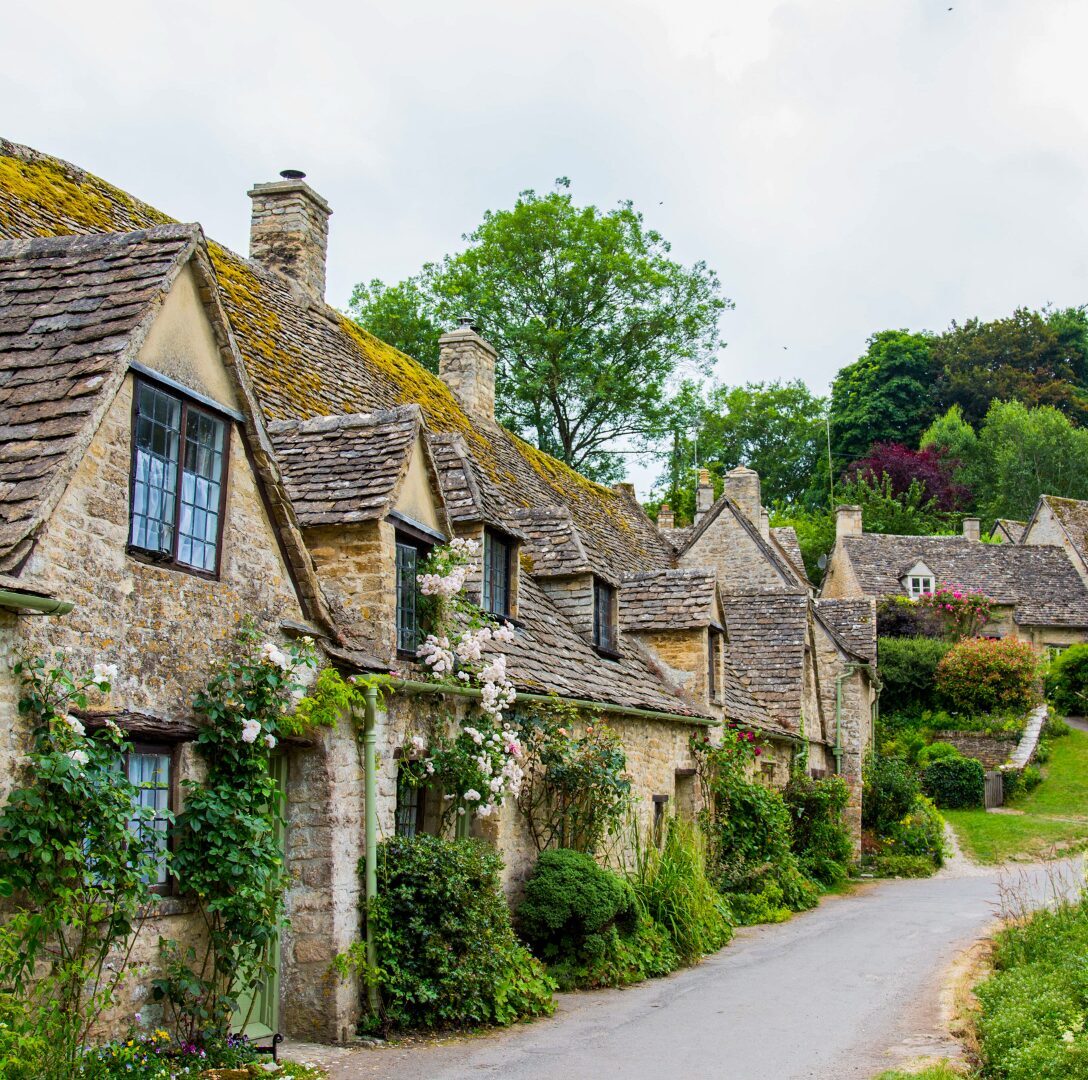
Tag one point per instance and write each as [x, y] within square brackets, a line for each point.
[992, 750]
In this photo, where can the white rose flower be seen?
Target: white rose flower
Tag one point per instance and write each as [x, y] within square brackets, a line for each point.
[78, 756]
[472, 795]
[104, 673]
[250, 730]
[269, 741]
[75, 724]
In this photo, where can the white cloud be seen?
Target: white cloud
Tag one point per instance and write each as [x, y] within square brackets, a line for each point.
[845, 165]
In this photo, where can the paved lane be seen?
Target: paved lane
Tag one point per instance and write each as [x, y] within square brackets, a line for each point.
[837, 993]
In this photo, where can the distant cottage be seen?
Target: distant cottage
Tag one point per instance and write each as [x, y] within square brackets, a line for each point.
[190, 437]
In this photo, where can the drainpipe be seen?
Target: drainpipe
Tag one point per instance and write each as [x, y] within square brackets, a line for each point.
[370, 722]
[43, 605]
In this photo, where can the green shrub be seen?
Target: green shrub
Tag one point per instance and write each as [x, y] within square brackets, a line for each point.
[919, 832]
[938, 751]
[1055, 727]
[955, 783]
[901, 617]
[820, 838]
[766, 905]
[1067, 681]
[447, 954]
[890, 789]
[900, 866]
[1032, 1020]
[569, 897]
[908, 669]
[1042, 751]
[674, 890]
[981, 675]
[1019, 782]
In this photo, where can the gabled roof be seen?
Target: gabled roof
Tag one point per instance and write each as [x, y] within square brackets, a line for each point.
[669, 600]
[73, 313]
[767, 649]
[785, 536]
[853, 623]
[554, 545]
[339, 470]
[1072, 516]
[305, 359]
[1013, 529]
[469, 494]
[1038, 580]
[791, 579]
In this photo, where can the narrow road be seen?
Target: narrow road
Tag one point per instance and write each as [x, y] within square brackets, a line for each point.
[837, 993]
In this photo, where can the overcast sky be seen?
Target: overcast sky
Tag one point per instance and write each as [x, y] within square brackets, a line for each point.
[844, 165]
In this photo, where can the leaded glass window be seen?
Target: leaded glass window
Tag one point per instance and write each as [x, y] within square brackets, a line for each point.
[409, 817]
[497, 567]
[148, 769]
[178, 466]
[604, 615]
[407, 621]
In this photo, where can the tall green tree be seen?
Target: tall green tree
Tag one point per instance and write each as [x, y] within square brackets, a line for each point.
[1038, 358]
[955, 439]
[776, 428]
[590, 315]
[887, 395]
[1024, 453]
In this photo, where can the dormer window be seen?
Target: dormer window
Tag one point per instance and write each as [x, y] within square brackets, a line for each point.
[604, 616]
[714, 664]
[178, 482]
[498, 573]
[919, 585]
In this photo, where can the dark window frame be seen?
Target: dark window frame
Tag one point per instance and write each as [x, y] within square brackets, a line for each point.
[714, 664]
[605, 629]
[505, 574]
[173, 788]
[407, 539]
[418, 811]
[159, 558]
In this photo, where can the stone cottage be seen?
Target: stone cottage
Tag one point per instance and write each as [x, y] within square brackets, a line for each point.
[323, 466]
[1038, 592]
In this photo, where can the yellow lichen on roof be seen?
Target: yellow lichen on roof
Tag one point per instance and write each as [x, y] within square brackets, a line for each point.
[82, 200]
[260, 332]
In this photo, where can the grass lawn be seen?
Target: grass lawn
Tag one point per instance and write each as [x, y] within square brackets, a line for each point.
[1055, 814]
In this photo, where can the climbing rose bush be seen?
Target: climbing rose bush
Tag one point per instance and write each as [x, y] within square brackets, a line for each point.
[981, 675]
[962, 612]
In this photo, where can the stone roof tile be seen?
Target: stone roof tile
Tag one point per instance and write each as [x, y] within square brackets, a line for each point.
[668, 599]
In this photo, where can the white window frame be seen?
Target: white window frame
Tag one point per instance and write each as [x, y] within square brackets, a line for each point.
[919, 585]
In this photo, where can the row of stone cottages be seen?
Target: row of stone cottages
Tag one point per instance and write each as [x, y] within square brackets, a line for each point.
[320, 465]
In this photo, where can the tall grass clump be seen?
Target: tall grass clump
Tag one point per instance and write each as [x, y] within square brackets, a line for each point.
[672, 887]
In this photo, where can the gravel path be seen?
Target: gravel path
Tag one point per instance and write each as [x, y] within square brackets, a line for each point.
[837, 993]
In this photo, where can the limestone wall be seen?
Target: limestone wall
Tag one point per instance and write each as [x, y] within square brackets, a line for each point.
[164, 629]
[992, 750]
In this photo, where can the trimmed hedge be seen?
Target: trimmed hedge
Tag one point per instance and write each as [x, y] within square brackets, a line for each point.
[955, 783]
[908, 669]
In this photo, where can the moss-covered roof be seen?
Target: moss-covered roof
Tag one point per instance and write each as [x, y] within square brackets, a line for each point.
[306, 359]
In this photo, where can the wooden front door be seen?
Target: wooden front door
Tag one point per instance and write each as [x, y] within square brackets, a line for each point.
[258, 1013]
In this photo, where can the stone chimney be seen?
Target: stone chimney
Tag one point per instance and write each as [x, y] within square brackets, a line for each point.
[466, 364]
[704, 495]
[764, 523]
[289, 231]
[847, 521]
[665, 520]
[972, 528]
[742, 487]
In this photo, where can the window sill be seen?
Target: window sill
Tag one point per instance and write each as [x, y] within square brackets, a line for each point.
[607, 653]
[151, 558]
[173, 905]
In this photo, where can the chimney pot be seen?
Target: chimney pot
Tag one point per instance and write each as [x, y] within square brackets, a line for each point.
[972, 528]
[704, 495]
[764, 523]
[742, 487]
[665, 520]
[289, 231]
[466, 364]
[848, 521]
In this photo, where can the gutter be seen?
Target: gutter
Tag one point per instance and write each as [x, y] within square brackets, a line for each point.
[43, 605]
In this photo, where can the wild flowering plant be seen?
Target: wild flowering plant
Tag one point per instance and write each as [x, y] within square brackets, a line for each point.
[73, 860]
[479, 766]
[963, 612]
[227, 856]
